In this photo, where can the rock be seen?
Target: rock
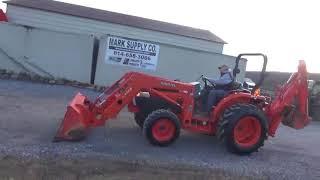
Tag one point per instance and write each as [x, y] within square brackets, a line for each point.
[95, 87]
[65, 81]
[82, 84]
[77, 83]
[4, 76]
[24, 76]
[3, 71]
[42, 79]
[10, 72]
[52, 81]
[91, 87]
[60, 81]
[14, 76]
[46, 80]
[35, 77]
[87, 84]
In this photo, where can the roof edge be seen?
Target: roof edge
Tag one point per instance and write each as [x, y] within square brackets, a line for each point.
[214, 37]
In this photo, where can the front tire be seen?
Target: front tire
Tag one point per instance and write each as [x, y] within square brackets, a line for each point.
[161, 127]
[243, 129]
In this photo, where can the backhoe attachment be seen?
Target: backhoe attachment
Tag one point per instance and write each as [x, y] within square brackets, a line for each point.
[290, 105]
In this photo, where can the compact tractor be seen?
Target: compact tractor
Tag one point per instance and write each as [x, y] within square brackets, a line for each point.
[242, 120]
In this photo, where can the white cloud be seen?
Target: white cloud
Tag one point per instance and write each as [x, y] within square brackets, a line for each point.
[2, 6]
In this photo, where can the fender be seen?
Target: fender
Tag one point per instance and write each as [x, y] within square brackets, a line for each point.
[231, 99]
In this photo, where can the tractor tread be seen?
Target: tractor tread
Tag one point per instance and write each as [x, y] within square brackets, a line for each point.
[148, 105]
[152, 118]
[228, 121]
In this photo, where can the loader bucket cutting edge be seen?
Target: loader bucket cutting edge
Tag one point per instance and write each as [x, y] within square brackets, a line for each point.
[74, 126]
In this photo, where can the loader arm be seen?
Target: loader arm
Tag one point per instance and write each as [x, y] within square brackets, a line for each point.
[290, 105]
[122, 93]
[83, 114]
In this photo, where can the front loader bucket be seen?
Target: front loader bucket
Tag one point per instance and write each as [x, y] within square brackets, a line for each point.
[74, 126]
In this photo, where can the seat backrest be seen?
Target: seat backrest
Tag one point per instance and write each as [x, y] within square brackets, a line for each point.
[234, 85]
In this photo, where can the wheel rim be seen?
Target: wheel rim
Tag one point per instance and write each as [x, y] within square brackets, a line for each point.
[247, 132]
[163, 130]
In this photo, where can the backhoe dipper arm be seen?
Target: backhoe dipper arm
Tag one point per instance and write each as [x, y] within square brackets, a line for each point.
[290, 105]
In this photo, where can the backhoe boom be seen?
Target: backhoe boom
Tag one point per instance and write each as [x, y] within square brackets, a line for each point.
[290, 103]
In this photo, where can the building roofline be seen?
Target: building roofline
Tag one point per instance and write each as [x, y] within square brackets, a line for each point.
[116, 18]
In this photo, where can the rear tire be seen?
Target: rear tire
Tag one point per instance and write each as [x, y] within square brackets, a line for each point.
[161, 127]
[243, 129]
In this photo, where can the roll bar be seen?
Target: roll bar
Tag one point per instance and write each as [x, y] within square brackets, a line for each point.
[236, 69]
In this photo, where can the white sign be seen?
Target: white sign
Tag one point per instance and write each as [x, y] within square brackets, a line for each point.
[132, 53]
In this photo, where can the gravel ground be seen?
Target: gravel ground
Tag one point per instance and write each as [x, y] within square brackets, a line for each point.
[30, 114]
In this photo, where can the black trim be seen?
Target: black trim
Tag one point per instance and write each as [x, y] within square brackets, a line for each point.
[262, 74]
[167, 90]
[94, 60]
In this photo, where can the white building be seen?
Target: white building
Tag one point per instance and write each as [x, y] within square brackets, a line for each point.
[125, 43]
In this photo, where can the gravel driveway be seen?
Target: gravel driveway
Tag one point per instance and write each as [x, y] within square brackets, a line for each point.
[30, 114]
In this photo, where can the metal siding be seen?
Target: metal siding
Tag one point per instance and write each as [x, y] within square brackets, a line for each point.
[59, 54]
[12, 40]
[59, 22]
[173, 63]
[6, 63]
[63, 55]
[12, 45]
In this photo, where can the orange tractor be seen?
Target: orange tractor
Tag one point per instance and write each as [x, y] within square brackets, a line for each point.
[242, 120]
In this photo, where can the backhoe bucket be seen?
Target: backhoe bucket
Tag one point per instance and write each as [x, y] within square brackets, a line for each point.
[74, 126]
[297, 117]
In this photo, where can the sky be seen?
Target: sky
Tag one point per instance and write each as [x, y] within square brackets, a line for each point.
[286, 31]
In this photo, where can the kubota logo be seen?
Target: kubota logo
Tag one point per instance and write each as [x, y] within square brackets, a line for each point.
[167, 84]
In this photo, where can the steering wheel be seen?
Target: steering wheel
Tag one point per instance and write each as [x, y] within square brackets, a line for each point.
[205, 80]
